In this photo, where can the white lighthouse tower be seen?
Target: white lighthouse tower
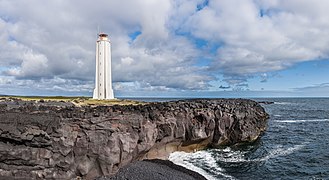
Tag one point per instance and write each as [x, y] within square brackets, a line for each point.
[103, 84]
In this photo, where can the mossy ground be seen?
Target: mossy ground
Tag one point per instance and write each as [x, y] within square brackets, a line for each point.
[80, 101]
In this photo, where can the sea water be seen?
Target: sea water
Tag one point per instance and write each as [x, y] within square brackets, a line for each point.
[295, 146]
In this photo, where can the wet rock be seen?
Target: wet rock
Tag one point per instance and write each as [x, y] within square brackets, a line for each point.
[266, 102]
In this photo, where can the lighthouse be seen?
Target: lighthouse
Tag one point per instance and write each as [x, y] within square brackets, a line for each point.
[103, 79]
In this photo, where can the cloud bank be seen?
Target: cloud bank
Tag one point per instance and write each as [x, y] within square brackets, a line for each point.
[158, 45]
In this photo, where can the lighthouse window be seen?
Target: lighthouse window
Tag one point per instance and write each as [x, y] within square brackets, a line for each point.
[100, 84]
[100, 53]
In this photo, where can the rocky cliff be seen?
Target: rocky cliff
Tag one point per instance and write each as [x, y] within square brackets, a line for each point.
[62, 141]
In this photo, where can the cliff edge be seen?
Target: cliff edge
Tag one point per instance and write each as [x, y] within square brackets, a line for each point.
[62, 141]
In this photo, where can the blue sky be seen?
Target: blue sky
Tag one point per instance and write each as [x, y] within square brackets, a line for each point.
[208, 48]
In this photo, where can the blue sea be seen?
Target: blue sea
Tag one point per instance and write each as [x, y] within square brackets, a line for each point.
[295, 146]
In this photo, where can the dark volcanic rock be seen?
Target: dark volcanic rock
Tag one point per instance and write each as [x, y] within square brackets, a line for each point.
[154, 169]
[59, 140]
[266, 102]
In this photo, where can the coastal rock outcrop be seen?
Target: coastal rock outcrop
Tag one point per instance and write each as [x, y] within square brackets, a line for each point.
[60, 140]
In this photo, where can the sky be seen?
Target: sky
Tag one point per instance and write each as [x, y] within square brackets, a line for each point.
[162, 48]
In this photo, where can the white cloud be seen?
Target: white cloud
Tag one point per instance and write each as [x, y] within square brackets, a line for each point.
[63, 34]
[287, 33]
[33, 65]
[47, 41]
[316, 89]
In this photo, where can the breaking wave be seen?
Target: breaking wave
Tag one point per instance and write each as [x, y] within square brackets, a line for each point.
[302, 120]
[207, 162]
[202, 162]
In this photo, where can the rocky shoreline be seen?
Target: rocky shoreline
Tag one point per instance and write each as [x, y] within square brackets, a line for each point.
[58, 140]
[153, 169]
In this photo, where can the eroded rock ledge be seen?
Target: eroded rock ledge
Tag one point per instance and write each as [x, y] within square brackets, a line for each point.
[62, 141]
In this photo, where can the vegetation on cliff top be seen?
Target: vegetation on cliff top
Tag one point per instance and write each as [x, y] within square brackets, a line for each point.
[79, 101]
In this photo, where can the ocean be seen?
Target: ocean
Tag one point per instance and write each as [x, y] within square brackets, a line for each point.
[294, 146]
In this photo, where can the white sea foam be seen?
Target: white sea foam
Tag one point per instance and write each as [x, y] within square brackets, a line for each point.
[227, 149]
[283, 103]
[203, 158]
[206, 160]
[228, 155]
[302, 120]
[280, 151]
[239, 156]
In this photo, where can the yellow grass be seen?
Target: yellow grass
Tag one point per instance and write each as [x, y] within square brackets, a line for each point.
[79, 101]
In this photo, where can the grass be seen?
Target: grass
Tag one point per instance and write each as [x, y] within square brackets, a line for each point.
[79, 101]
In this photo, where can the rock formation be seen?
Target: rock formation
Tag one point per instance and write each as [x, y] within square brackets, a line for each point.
[62, 141]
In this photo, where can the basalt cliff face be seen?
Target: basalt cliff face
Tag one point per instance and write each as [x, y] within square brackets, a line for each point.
[62, 141]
